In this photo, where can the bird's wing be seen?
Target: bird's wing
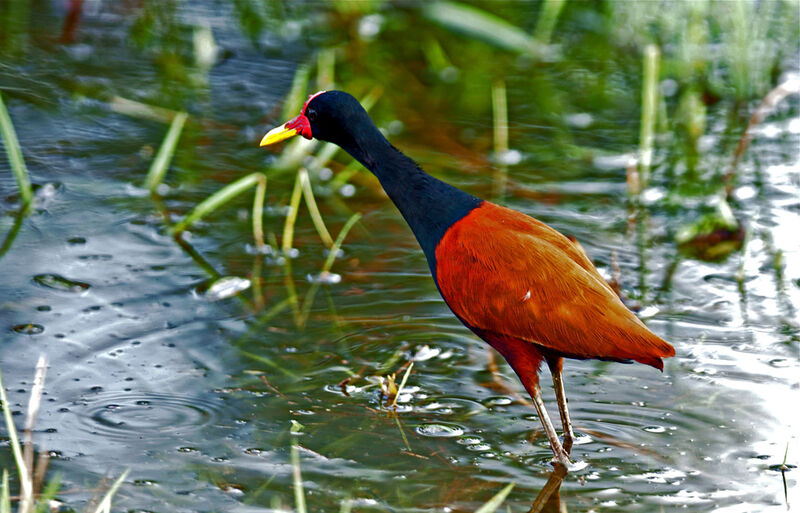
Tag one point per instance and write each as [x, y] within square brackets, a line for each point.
[503, 272]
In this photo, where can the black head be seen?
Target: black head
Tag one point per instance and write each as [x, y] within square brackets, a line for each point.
[332, 116]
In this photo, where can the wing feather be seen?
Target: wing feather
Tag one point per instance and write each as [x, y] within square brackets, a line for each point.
[503, 272]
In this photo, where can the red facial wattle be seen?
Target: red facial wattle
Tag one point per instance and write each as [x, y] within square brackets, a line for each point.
[300, 124]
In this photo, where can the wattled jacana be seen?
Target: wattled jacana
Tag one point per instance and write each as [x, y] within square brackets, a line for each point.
[518, 284]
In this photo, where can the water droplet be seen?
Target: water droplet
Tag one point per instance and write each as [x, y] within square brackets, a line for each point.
[780, 363]
[28, 329]
[58, 282]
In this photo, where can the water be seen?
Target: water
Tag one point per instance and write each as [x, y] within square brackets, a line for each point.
[195, 393]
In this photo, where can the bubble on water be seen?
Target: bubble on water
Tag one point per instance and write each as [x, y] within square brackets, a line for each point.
[439, 430]
[610, 162]
[370, 26]
[497, 401]
[655, 429]
[227, 287]
[469, 440]
[580, 120]
[508, 157]
[426, 353]
[325, 278]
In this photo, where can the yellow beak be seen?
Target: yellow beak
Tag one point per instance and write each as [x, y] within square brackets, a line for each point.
[278, 134]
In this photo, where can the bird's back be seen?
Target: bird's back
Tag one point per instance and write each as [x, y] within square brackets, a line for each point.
[505, 273]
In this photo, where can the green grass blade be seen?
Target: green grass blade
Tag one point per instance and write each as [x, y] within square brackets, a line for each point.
[140, 110]
[402, 385]
[297, 94]
[496, 501]
[105, 504]
[308, 300]
[13, 232]
[500, 118]
[218, 199]
[164, 156]
[26, 484]
[258, 212]
[326, 64]
[14, 152]
[5, 495]
[479, 24]
[270, 363]
[311, 203]
[337, 244]
[297, 478]
[652, 56]
[291, 217]
[548, 16]
[48, 494]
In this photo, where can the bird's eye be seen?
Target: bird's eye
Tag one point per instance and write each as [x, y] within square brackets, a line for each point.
[311, 114]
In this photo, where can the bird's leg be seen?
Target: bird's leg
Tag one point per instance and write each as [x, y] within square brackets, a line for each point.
[560, 455]
[525, 359]
[556, 365]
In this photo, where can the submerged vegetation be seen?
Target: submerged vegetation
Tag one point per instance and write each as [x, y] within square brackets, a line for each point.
[514, 100]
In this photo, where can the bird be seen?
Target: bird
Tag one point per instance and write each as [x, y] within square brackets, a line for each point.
[521, 286]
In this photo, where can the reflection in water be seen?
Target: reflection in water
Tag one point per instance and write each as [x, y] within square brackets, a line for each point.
[549, 498]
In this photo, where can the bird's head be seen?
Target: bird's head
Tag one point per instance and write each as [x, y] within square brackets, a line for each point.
[332, 116]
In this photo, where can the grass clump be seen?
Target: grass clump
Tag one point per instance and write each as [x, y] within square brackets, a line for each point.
[34, 495]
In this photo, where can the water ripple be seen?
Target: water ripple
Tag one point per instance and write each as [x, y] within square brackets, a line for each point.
[145, 415]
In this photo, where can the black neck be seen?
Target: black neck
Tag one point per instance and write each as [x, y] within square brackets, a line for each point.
[429, 205]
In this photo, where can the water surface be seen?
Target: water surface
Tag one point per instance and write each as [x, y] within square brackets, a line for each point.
[196, 396]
